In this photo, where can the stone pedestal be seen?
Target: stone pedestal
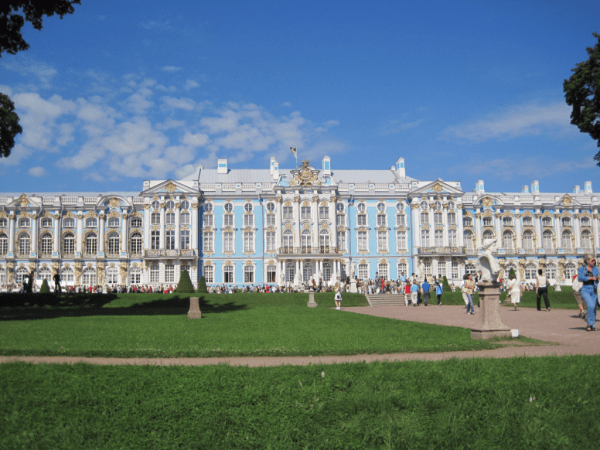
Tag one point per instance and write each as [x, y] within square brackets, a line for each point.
[490, 324]
[311, 299]
[352, 287]
[194, 312]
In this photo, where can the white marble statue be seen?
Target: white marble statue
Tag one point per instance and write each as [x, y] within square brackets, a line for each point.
[487, 264]
[352, 270]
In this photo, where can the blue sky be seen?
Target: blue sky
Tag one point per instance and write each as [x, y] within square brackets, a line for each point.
[123, 91]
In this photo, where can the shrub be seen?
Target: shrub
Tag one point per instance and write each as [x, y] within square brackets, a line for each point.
[512, 273]
[185, 285]
[44, 289]
[445, 284]
[202, 286]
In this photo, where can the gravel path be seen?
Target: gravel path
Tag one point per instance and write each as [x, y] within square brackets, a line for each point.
[562, 327]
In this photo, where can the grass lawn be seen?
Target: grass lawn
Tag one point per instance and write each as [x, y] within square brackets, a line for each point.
[519, 403]
[156, 325]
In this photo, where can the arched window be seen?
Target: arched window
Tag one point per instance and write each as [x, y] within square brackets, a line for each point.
[91, 244]
[68, 244]
[306, 241]
[566, 221]
[137, 222]
[24, 246]
[44, 273]
[184, 240]
[185, 205]
[468, 237]
[20, 274]
[135, 275]
[507, 221]
[3, 244]
[288, 241]
[507, 240]
[89, 276]
[586, 240]
[170, 239]
[547, 242]
[528, 240]
[112, 275]
[467, 222]
[530, 272]
[551, 271]
[470, 268]
[170, 204]
[439, 238]
[324, 241]
[114, 242]
[46, 244]
[424, 238]
[424, 206]
[488, 236]
[384, 270]
[136, 243]
[508, 268]
[570, 271]
[566, 241]
[67, 275]
[155, 205]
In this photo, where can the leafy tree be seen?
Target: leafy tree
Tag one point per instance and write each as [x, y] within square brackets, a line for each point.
[512, 273]
[202, 286]
[44, 289]
[445, 284]
[582, 92]
[185, 285]
[13, 15]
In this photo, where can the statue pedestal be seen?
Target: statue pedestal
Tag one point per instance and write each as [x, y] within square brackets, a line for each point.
[311, 299]
[490, 324]
[194, 312]
[557, 287]
[352, 288]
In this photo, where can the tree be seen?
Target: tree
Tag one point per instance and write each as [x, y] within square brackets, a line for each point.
[44, 289]
[13, 15]
[202, 286]
[582, 92]
[185, 285]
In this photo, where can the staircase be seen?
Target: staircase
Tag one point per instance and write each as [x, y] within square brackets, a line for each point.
[385, 299]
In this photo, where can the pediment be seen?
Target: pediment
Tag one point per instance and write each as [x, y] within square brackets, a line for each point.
[113, 202]
[567, 202]
[437, 187]
[24, 202]
[489, 201]
[169, 187]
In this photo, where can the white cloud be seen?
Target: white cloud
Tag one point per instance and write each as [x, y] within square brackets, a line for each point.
[156, 25]
[190, 84]
[287, 104]
[331, 123]
[195, 140]
[179, 103]
[28, 67]
[93, 176]
[17, 154]
[518, 120]
[171, 69]
[37, 171]
[397, 126]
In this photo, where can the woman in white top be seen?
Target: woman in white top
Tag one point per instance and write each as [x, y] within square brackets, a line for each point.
[514, 289]
[542, 289]
[338, 300]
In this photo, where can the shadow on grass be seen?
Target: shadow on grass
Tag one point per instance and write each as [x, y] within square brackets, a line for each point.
[49, 306]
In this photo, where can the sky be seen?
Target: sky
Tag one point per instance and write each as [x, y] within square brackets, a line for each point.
[123, 91]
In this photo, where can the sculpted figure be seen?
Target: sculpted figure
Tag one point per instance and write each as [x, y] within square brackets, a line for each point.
[487, 264]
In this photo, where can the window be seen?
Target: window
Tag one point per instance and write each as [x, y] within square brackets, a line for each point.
[470, 268]
[424, 218]
[488, 236]
[566, 240]
[228, 207]
[248, 274]
[324, 240]
[170, 218]
[170, 240]
[114, 242]
[184, 240]
[438, 205]
[69, 223]
[570, 271]
[487, 221]
[361, 220]
[136, 243]
[547, 242]
[451, 206]
[249, 220]
[46, 244]
[91, 244]
[306, 240]
[209, 274]
[112, 275]
[361, 207]
[381, 220]
[586, 240]
[155, 205]
[339, 207]
[271, 274]
[424, 206]
[3, 244]
[270, 241]
[527, 221]
[530, 272]
[452, 241]
[185, 218]
[89, 276]
[248, 207]
[170, 204]
[400, 207]
[208, 208]
[169, 273]
[185, 205]
[91, 223]
[228, 274]
[155, 218]
[323, 212]
[248, 241]
[441, 269]
[401, 241]
[468, 222]
[363, 271]
[67, 275]
[46, 223]
[439, 238]
[208, 241]
[155, 240]
[566, 222]
[305, 213]
[507, 221]
[270, 220]
[380, 207]
[135, 275]
[68, 244]
[154, 273]
[24, 244]
[585, 221]
[228, 242]
[228, 220]
[468, 237]
[137, 222]
[528, 240]
[288, 241]
[425, 238]
[402, 269]
[208, 220]
[341, 220]
[401, 220]
[270, 206]
[20, 274]
[384, 271]
[23, 223]
[362, 242]
[288, 212]
[451, 219]
[185, 265]
[546, 221]
[507, 240]
[341, 241]
[551, 271]
[437, 219]
[427, 266]
[113, 222]
[382, 241]
[454, 269]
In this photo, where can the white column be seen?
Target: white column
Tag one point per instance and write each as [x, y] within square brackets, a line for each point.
[301, 278]
[460, 239]
[415, 227]
[177, 213]
[278, 230]
[79, 233]
[519, 231]
[101, 219]
[124, 232]
[147, 226]
[577, 230]
[333, 218]
[297, 221]
[538, 230]
[34, 233]
[595, 228]
[478, 236]
[11, 231]
[557, 228]
[56, 241]
[296, 277]
[194, 238]
[162, 226]
[498, 231]
[315, 220]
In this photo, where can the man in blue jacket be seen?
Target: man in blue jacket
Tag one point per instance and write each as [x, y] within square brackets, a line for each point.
[425, 287]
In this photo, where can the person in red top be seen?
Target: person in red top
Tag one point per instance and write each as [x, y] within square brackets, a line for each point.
[406, 293]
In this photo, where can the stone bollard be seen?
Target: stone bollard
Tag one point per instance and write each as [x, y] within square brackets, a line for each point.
[311, 299]
[194, 312]
[490, 324]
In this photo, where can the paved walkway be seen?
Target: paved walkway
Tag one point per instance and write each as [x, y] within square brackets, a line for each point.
[562, 327]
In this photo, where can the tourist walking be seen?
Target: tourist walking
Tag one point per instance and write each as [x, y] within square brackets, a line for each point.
[414, 293]
[514, 290]
[338, 300]
[588, 275]
[425, 288]
[542, 289]
[469, 289]
[406, 293]
[438, 292]
[577, 285]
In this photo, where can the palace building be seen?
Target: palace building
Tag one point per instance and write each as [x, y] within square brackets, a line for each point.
[286, 227]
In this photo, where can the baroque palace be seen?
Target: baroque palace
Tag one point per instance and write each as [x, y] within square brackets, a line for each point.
[286, 227]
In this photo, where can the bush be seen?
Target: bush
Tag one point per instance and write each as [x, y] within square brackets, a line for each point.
[512, 274]
[44, 289]
[185, 285]
[445, 284]
[202, 286]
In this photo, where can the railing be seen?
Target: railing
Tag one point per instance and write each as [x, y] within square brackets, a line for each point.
[208, 187]
[92, 200]
[320, 250]
[228, 187]
[70, 200]
[47, 200]
[138, 200]
[169, 253]
[440, 250]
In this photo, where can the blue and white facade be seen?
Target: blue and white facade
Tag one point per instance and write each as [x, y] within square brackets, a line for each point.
[286, 227]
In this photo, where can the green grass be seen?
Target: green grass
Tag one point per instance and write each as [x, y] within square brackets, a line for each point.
[136, 325]
[519, 403]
